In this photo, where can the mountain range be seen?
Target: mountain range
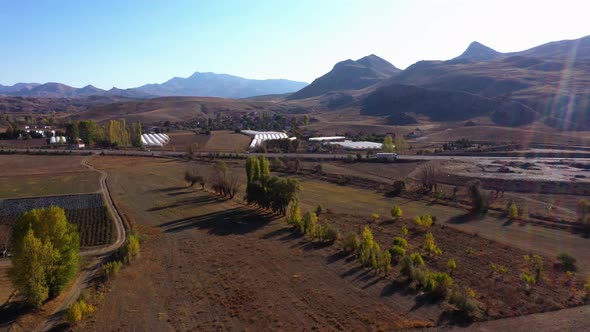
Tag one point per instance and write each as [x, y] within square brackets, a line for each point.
[198, 84]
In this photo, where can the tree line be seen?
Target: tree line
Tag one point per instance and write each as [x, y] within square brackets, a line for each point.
[117, 133]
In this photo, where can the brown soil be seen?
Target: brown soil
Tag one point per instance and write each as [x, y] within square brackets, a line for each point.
[500, 295]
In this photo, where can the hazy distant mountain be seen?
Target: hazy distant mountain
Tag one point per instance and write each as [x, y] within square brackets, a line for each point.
[220, 85]
[349, 75]
[198, 84]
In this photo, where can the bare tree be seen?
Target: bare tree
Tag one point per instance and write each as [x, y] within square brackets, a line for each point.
[192, 176]
[428, 175]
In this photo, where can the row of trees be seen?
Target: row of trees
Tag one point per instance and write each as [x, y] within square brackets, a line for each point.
[266, 191]
[116, 134]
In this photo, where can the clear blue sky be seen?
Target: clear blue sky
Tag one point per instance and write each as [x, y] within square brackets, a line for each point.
[127, 43]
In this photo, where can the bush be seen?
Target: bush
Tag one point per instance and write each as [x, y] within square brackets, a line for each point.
[400, 242]
[111, 269]
[479, 198]
[396, 212]
[131, 248]
[434, 283]
[397, 251]
[79, 309]
[424, 221]
[375, 217]
[452, 264]
[404, 231]
[351, 243]
[567, 261]
[319, 209]
[325, 233]
[464, 302]
[527, 278]
[430, 244]
[417, 259]
[513, 211]
[310, 220]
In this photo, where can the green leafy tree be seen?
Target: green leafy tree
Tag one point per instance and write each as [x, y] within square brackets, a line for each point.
[309, 223]
[400, 144]
[72, 132]
[46, 253]
[388, 144]
[294, 217]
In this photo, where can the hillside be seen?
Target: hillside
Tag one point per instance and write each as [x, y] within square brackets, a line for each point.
[551, 79]
[349, 75]
[401, 103]
[175, 109]
[30, 105]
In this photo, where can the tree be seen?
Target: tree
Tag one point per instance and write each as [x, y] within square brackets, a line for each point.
[400, 144]
[388, 144]
[46, 253]
[513, 211]
[131, 248]
[479, 198]
[294, 217]
[309, 223]
[306, 119]
[192, 176]
[428, 175]
[583, 210]
[72, 132]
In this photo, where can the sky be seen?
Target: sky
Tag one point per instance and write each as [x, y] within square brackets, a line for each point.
[128, 43]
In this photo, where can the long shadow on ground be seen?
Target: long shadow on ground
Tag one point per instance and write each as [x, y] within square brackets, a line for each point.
[233, 221]
[192, 201]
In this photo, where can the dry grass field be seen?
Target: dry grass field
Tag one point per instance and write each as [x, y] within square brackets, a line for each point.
[28, 176]
[217, 264]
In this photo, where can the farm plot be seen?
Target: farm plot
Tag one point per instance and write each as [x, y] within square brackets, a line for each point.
[87, 211]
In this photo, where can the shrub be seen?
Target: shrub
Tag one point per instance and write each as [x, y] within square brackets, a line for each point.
[400, 242]
[479, 198]
[131, 248]
[309, 223]
[111, 269]
[527, 278]
[375, 217]
[294, 217]
[351, 243]
[424, 221]
[79, 309]
[567, 261]
[326, 233]
[396, 212]
[513, 211]
[417, 259]
[404, 231]
[452, 264]
[397, 251]
[385, 264]
[319, 209]
[464, 302]
[407, 267]
[430, 244]
[536, 263]
[434, 283]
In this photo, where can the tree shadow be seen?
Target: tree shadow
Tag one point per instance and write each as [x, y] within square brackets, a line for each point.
[465, 218]
[339, 255]
[229, 222]
[454, 318]
[11, 311]
[167, 189]
[193, 201]
[396, 286]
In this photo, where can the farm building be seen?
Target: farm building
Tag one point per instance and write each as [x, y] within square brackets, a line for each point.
[58, 140]
[350, 145]
[154, 139]
[260, 136]
[327, 139]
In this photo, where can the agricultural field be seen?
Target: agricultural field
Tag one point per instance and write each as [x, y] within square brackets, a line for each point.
[88, 212]
[195, 244]
[32, 175]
